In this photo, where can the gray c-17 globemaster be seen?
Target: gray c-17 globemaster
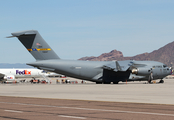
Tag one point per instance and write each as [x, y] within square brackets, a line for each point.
[95, 71]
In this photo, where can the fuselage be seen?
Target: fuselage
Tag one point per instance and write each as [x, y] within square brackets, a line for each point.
[77, 69]
[93, 70]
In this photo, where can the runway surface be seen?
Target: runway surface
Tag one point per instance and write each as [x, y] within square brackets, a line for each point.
[132, 101]
[19, 108]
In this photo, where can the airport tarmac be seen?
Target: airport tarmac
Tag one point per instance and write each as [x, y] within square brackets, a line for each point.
[134, 100]
[136, 92]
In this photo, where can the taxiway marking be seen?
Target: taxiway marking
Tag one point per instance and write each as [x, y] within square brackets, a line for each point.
[72, 117]
[13, 111]
[90, 109]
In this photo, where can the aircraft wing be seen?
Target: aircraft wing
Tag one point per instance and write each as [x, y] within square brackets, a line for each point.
[111, 66]
[116, 66]
[136, 64]
[123, 65]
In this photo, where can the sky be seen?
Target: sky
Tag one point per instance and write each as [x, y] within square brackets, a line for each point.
[80, 28]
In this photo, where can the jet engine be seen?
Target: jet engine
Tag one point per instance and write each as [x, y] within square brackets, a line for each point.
[141, 71]
[9, 77]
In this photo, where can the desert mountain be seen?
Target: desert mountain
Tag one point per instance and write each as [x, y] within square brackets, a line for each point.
[164, 54]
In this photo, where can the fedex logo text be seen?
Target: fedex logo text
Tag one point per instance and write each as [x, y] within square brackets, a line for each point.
[24, 72]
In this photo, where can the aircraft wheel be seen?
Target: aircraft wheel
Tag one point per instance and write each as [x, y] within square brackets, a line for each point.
[161, 81]
[115, 82]
[98, 82]
[106, 82]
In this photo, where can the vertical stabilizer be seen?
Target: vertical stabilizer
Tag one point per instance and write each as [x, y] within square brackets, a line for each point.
[35, 44]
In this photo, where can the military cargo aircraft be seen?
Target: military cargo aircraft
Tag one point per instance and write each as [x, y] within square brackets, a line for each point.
[97, 71]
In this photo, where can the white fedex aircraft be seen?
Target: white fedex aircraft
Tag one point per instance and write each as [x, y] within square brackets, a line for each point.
[13, 74]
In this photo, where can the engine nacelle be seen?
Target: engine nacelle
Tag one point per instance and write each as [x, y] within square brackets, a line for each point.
[141, 71]
[9, 77]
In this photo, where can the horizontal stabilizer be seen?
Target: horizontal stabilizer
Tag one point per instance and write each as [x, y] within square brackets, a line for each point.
[10, 36]
[27, 32]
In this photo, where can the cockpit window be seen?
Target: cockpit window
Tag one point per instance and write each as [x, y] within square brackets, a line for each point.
[164, 66]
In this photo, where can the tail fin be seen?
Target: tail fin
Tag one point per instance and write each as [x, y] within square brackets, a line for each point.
[35, 44]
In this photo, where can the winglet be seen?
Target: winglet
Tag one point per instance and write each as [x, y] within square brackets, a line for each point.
[118, 66]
